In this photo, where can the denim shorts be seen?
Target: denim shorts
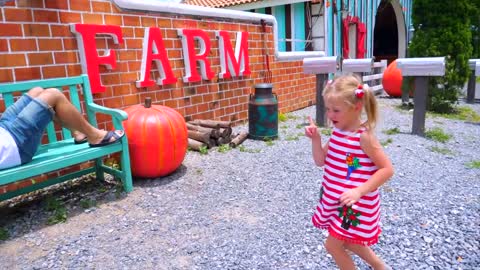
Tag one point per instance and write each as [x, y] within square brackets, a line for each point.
[26, 121]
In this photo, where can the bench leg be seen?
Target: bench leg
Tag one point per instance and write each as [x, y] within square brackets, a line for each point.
[99, 170]
[127, 173]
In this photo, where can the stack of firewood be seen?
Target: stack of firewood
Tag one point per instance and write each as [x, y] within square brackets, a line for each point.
[210, 133]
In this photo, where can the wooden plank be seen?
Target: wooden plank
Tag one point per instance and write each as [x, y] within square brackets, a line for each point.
[372, 77]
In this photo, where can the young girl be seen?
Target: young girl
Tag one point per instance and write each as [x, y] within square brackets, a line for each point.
[355, 166]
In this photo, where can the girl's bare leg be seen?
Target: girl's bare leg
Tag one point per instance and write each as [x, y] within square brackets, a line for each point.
[337, 249]
[367, 254]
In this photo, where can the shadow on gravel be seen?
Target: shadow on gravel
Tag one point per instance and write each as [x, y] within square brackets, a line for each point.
[56, 204]
[161, 181]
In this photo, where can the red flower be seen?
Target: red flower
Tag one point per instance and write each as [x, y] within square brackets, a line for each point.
[352, 217]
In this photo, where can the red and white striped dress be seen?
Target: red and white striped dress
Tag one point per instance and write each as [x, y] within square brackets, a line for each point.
[358, 224]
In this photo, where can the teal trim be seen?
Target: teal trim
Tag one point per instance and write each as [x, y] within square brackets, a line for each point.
[279, 14]
[330, 31]
[369, 28]
[260, 10]
[299, 30]
[339, 30]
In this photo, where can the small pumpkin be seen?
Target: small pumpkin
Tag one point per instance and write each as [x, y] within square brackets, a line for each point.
[157, 139]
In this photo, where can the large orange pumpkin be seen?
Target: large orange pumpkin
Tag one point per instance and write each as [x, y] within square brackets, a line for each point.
[157, 139]
[392, 80]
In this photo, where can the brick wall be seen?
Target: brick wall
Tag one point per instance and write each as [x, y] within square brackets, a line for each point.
[36, 43]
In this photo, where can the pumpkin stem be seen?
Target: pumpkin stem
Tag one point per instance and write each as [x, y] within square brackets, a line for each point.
[148, 102]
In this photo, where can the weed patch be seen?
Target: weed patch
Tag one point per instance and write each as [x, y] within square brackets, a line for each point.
[242, 148]
[462, 113]
[474, 164]
[437, 134]
[443, 151]
[392, 131]
[3, 234]
[386, 142]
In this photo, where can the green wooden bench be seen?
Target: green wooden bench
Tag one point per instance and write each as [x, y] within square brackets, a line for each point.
[60, 153]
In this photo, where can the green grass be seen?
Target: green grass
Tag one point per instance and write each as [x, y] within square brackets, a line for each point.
[300, 126]
[438, 135]
[392, 131]
[282, 117]
[57, 209]
[443, 151]
[326, 131]
[203, 150]
[474, 164]
[224, 148]
[386, 142]
[3, 234]
[295, 137]
[242, 148]
[88, 203]
[462, 113]
[269, 142]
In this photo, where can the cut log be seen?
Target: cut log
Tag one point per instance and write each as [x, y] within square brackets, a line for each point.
[213, 132]
[212, 123]
[225, 132]
[201, 137]
[195, 145]
[224, 140]
[239, 139]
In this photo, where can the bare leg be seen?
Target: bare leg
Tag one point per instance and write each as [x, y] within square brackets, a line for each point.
[336, 248]
[68, 115]
[36, 92]
[367, 254]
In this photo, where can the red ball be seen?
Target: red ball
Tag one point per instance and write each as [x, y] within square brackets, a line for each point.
[392, 80]
[157, 139]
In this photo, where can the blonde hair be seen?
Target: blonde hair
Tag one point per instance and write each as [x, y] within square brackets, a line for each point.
[344, 86]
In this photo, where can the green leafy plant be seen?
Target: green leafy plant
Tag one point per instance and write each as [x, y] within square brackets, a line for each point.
[462, 113]
[386, 142]
[203, 150]
[88, 203]
[474, 164]
[58, 210]
[282, 117]
[437, 134]
[326, 131]
[224, 148]
[443, 28]
[443, 151]
[300, 126]
[392, 131]
[292, 138]
[3, 234]
[242, 148]
[269, 142]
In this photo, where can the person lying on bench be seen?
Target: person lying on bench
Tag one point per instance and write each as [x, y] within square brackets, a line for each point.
[22, 125]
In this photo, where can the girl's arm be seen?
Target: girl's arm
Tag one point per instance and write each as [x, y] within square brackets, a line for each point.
[319, 153]
[374, 150]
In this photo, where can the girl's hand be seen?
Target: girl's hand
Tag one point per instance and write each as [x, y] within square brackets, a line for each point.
[311, 131]
[350, 197]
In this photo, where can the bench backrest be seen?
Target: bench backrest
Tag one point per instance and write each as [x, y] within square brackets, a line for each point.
[73, 87]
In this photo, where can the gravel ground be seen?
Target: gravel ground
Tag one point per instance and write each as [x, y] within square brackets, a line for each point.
[251, 209]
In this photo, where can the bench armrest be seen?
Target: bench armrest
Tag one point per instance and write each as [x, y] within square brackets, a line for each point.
[117, 115]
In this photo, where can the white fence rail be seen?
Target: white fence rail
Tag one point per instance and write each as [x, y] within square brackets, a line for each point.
[374, 78]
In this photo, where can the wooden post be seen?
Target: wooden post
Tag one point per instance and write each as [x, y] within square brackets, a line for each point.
[421, 69]
[320, 116]
[320, 66]
[471, 88]
[420, 105]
